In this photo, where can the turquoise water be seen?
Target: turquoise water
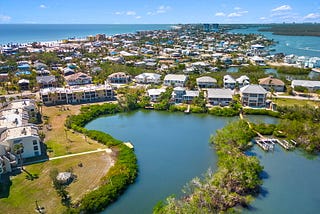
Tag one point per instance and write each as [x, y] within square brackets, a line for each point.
[24, 33]
[172, 148]
[291, 183]
[298, 45]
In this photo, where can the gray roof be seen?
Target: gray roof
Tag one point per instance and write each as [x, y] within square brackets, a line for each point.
[172, 77]
[46, 79]
[219, 93]
[206, 79]
[253, 89]
[305, 83]
[192, 94]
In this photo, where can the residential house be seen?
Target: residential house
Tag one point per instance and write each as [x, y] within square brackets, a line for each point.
[206, 82]
[257, 60]
[219, 96]
[148, 78]
[78, 79]
[271, 83]
[229, 82]
[178, 93]
[24, 84]
[189, 96]
[155, 93]
[119, 78]
[242, 81]
[309, 84]
[253, 96]
[46, 81]
[76, 94]
[177, 80]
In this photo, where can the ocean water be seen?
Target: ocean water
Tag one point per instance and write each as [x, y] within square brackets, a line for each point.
[298, 45]
[25, 33]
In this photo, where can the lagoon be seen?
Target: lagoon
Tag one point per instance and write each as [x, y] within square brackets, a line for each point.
[172, 148]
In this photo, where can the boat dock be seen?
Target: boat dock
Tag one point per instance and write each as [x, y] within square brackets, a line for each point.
[187, 111]
[267, 144]
[129, 144]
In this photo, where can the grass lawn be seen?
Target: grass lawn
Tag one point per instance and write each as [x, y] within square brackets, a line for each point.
[60, 140]
[24, 192]
[286, 101]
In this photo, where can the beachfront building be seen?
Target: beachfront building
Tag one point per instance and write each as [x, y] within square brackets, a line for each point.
[229, 82]
[309, 84]
[178, 93]
[119, 78]
[78, 79]
[148, 78]
[76, 94]
[177, 80]
[219, 96]
[271, 83]
[253, 96]
[155, 93]
[206, 82]
[257, 60]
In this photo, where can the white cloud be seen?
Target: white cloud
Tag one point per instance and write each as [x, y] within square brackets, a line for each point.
[149, 13]
[220, 14]
[43, 6]
[131, 13]
[4, 18]
[312, 16]
[234, 15]
[119, 13]
[262, 18]
[237, 8]
[282, 8]
[163, 9]
[138, 17]
[243, 12]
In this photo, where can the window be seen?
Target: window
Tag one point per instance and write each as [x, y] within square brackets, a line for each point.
[35, 142]
[36, 153]
[36, 148]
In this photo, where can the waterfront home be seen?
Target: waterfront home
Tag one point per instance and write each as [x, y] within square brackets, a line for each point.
[242, 81]
[68, 71]
[148, 78]
[253, 96]
[269, 83]
[46, 81]
[119, 78]
[189, 96]
[229, 82]
[219, 96]
[309, 84]
[76, 94]
[206, 82]
[78, 79]
[313, 62]
[155, 93]
[175, 80]
[178, 93]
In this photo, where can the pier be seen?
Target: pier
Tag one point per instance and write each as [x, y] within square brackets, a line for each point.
[187, 111]
[265, 144]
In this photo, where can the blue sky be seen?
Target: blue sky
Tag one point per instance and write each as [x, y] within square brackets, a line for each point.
[158, 12]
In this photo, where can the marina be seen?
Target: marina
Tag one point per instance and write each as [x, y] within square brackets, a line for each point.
[267, 144]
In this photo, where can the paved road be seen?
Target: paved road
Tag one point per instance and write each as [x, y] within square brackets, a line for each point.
[82, 153]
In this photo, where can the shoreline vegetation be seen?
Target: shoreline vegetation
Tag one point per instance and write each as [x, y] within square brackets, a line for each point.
[307, 29]
[237, 180]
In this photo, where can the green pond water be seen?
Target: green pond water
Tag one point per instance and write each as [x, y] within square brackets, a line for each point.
[173, 148]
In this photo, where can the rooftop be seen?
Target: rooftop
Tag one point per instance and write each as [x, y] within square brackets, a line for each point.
[219, 93]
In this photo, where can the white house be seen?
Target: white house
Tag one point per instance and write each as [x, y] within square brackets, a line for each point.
[206, 82]
[309, 84]
[155, 93]
[229, 82]
[253, 96]
[175, 80]
[219, 96]
[148, 78]
[243, 81]
[189, 96]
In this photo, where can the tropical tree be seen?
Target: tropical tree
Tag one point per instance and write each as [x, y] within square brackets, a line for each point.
[18, 150]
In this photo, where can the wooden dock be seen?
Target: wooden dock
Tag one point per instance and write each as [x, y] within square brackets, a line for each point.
[187, 111]
[129, 144]
[265, 144]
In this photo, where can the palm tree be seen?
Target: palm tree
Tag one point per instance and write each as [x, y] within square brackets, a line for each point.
[18, 150]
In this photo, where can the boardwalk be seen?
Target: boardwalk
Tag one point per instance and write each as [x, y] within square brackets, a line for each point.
[82, 153]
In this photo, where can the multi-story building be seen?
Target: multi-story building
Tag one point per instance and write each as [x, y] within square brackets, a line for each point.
[253, 96]
[177, 80]
[76, 94]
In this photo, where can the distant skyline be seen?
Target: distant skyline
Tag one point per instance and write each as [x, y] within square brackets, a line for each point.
[157, 12]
